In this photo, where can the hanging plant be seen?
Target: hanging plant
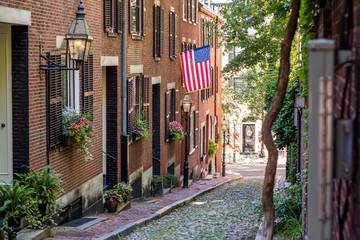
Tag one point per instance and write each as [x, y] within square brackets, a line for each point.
[176, 131]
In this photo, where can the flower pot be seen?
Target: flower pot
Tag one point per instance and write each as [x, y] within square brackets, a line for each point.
[111, 204]
[68, 141]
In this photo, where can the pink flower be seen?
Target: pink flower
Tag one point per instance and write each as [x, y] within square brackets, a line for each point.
[70, 119]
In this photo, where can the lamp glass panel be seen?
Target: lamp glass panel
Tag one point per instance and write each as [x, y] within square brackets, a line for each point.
[77, 49]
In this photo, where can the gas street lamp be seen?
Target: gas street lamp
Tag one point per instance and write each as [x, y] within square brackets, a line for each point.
[186, 105]
[224, 127]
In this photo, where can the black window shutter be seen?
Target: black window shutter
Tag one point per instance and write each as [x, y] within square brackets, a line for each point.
[146, 98]
[193, 2]
[202, 32]
[162, 33]
[55, 103]
[217, 79]
[176, 107]
[88, 82]
[119, 16]
[171, 35]
[156, 29]
[131, 27]
[196, 11]
[175, 32]
[212, 81]
[196, 129]
[130, 106]
[202, 94]
[107, 13]
[143, 22]
[167, 114]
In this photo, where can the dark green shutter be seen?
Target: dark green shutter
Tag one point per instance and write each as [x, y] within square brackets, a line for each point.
[107, 13]
[146, 98]
[119, 16]
[156, 30]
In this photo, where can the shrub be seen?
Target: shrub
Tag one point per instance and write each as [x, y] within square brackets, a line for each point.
[212, 147]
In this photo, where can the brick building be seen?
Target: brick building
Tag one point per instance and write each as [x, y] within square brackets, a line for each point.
[145, 37]
[337, 210]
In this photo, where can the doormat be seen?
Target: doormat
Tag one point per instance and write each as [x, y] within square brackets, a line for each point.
[83, 223]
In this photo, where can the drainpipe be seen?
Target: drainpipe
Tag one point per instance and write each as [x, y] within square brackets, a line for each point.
[123, 75]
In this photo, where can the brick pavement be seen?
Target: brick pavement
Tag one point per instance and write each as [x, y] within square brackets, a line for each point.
[140, 212]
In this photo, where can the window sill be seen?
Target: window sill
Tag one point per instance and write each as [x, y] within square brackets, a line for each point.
[203, 158]
[112, 34]
[157, 59]
[173, 58]
[192, 151]
[136, 36]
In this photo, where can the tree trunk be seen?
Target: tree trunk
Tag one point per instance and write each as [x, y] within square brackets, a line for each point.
[283, 79]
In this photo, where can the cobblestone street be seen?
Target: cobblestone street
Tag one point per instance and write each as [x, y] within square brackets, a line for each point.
[224, 213]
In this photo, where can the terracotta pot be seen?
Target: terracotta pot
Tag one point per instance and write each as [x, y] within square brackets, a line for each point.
[111, 204]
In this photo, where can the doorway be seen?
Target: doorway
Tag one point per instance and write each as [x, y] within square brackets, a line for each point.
[5, 105]
[156, 129]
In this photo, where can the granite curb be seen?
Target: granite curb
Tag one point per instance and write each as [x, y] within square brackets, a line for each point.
[125, 230]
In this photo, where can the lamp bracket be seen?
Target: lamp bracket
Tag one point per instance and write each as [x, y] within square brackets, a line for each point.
[53, 65]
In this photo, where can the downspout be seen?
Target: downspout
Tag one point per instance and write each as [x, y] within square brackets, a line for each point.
[123, 69]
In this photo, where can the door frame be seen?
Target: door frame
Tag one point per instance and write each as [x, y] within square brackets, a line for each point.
[6, 29]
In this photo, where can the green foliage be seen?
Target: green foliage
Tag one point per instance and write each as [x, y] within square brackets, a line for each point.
[167, 178]
[121, 192]
[80, 127]
[292, 164]
[212, 147]
[288, 212]
[140, 126]
[46, 185]
[156, 182]
[16, 202]
[283, 128]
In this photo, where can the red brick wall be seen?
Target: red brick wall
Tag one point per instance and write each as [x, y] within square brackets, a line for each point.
[51, 19]
[346, 204]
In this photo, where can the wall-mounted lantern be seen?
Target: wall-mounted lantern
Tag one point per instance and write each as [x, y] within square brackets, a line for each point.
[78, 42]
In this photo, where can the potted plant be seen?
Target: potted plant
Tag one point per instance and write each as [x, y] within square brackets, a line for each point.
[116, 196]
[79, 127]
[212, 147]
[176, 131]
[45, 185]
[16, 204]
[140, 127]
[169, 180]
[157, 184]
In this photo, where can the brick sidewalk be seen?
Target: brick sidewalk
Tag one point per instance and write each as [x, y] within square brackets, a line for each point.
[140, 212]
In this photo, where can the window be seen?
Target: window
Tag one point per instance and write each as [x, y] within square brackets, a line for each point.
[209, 92]
[112, 16]
[137, 16]
[172, 35]
[63, 90]
[190, 11]
[158, 31]
[196, 129]
[138, 88]
[202, 142]
[191, 131]
[171, 109]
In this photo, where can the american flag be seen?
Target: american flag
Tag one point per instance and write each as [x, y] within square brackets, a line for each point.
[195, 66]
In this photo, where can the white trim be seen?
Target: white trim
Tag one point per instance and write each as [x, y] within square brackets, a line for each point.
[134, 69]
[170, 86]
[156, 80]
[15, 16]
[107, 61]
[6, 29]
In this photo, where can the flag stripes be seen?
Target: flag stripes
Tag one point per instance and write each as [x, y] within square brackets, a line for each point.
[195, 65]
